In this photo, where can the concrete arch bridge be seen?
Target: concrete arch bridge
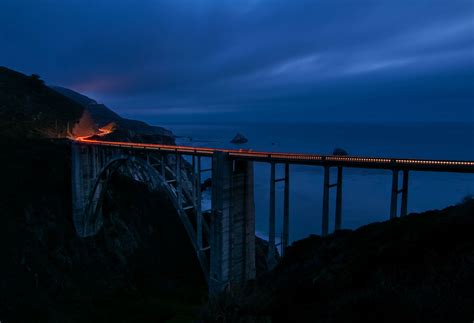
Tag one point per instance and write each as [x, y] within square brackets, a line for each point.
[224, 236]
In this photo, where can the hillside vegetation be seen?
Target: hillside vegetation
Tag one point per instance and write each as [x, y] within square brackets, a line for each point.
[29, 109]
[125, 129]
[419, 268]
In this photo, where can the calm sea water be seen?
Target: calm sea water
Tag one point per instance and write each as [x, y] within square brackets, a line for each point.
[366, 193]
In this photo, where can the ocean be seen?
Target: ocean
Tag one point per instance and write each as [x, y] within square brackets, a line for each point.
[366, 193]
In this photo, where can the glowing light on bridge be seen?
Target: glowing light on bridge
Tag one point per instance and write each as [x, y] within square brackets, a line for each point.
[347, 161]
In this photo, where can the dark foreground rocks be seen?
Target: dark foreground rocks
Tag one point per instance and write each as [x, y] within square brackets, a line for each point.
[419, 268]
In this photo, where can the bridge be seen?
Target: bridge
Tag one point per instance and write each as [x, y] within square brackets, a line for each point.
[224, 236]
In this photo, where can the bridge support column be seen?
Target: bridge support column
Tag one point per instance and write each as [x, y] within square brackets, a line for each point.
[326, 187]
[396, 191]
[404, 208]
[243, 224]
[325, 218]
[199, 204]
[179, 191]
[338, 220]
[286, 211]
[394, 198]
[271, 228]
[86, 162]
[163, 166]
[232, 223]
[220, 222]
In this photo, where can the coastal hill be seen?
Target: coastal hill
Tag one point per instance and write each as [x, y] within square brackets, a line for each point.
[30, 109]
[419, 268]
[125, 273]
[131, 130]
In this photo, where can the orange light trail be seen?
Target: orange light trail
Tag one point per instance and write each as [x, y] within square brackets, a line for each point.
[296, 157]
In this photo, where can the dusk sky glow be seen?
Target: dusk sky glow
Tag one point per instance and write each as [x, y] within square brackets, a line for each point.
[250, 60]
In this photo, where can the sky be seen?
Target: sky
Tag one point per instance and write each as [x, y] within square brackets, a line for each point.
[252, 60]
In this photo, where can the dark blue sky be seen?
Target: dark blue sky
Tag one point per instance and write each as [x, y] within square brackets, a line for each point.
[251, 60]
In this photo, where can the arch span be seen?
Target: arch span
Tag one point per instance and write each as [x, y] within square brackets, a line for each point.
[223, 239]
[88, 219]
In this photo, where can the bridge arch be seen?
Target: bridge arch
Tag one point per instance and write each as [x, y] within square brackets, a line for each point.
[223, 238]
[89, 219]
[138, 169]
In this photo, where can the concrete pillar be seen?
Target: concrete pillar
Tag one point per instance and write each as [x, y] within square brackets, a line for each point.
[338, 220]
[286, 210]
[271, 228]
[199, 205]
[179, 192]
[325, 217]
[404, 208]
[78, 189]
[232, 238]
[86, 165]
[163, 166]
[193, 182]
[220, 225]
[243, 223]
[394, 198]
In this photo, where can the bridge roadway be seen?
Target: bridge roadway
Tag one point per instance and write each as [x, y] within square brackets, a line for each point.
[432, 165]
[225, 241]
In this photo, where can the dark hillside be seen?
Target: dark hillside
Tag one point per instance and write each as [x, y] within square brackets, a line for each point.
[29, 109]
[415, 269]
[127, 272]
[140, 267]
[126, 129]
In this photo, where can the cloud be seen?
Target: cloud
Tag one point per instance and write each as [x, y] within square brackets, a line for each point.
[223, 56]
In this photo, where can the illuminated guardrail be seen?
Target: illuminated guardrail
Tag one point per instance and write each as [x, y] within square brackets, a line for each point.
[348, 161]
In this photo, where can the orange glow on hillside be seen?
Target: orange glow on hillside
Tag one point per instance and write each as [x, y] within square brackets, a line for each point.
[104, 131]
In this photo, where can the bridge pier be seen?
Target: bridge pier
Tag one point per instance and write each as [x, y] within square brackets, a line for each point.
[198, 203]
[396, 191]
[286, 210]
[179, 190]
[326, 187]
[325, 219]
[286, 213]
[338, 221]
[394, 198]
[232, 224]
[404, 210]
[271, 228]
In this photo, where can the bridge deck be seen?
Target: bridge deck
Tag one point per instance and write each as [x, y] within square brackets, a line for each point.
[458, 166]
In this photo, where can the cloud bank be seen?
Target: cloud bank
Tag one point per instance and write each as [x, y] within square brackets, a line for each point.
[252, 60]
